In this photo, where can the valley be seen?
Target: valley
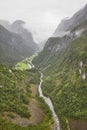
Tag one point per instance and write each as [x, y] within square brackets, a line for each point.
[63, 61]
[44, 88]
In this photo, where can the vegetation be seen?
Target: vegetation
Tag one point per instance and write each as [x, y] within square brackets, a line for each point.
[46, 109]
[6, 125]
[63, 82]
[21, 66]
[15, 46]
[14, 94]
[15, 97]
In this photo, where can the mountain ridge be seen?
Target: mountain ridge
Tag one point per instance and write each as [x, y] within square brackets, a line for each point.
[67, 24]
[14, 47]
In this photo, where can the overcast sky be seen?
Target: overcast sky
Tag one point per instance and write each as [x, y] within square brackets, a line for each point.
[42, 16]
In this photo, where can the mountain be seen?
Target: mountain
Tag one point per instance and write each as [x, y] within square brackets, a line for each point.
[13, 47]
[16, 42]
[18, 28]
[5, 23]
[64, 64]
[69, 23]
[42, 44]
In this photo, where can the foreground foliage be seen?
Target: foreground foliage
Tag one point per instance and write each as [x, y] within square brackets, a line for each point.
[15, 96]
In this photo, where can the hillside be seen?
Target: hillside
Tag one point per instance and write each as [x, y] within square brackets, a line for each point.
[13, 47]
[64, 64]
[20, 105]
[18, 28]
[5, 23]
[65, 79]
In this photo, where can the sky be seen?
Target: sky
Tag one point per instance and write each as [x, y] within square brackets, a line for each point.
[41, 16]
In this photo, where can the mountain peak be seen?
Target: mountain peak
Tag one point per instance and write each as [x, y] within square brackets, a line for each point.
[19, 22]
[69, 23]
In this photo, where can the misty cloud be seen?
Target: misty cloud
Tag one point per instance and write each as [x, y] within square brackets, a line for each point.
[42, 16]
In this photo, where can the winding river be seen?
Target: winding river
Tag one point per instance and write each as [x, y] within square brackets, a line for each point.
[49, 102]
[47, 99]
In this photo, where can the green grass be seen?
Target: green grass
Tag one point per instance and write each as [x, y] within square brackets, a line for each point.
[21, 66]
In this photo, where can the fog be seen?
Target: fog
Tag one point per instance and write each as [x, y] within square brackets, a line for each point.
[41, 16]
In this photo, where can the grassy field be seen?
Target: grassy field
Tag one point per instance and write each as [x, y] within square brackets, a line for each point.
[21, 66]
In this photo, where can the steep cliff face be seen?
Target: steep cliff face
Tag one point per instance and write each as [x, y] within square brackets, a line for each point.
[13, 47]
[16, 42]
[18, 28]
[56, 46]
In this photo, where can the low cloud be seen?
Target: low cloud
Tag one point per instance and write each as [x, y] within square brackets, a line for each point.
[42, 16]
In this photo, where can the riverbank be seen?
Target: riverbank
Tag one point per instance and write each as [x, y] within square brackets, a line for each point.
[34, 107]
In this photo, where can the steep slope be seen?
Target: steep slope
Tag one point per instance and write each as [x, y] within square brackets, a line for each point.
[12, 47]
[69, 23]
[19, 106]
[66, 79]
[42, 44]
[5, 23]
[64, 64]
[18, 28]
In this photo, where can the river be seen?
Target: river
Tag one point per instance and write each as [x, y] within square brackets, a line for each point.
[49, 102]
[47, 99]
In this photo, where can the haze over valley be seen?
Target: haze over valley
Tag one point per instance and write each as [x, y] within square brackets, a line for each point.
[43, 65]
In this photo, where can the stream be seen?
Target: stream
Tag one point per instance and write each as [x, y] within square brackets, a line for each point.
[47, 99]
[49, 103]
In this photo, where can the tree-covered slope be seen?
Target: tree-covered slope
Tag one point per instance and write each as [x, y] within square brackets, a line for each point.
[20, 106]
[64, 64]
[64, 80]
